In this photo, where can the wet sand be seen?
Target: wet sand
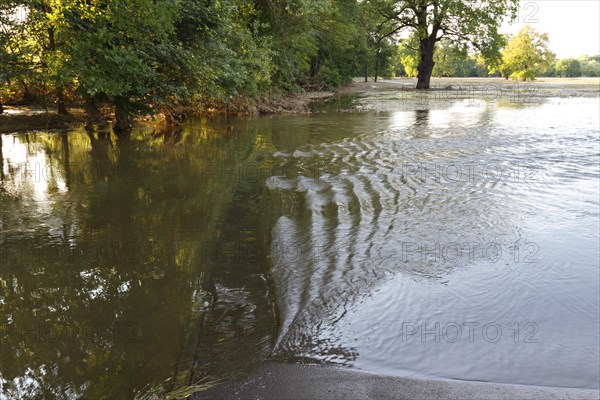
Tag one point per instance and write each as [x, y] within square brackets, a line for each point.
[288, 381]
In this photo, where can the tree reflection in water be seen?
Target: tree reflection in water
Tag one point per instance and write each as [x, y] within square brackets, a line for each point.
[105, 264]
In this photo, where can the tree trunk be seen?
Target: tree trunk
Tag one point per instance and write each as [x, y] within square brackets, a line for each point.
[376, 65]
[1, 108]
[426, 62]
[92, 111]
[28, 97]
[366, 71]
[122, 116]
[61, 107]
[1, 161]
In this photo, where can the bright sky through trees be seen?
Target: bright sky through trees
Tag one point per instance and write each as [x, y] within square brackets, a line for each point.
[571, 24]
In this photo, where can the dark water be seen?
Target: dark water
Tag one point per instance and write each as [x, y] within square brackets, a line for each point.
[455, 239]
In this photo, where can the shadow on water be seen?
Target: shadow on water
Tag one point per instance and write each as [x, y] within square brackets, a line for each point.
[338, 103]
[421, 117]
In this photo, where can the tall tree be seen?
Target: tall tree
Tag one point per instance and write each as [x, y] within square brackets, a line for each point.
[20, 55]
[36, 45]
[471, 23]
[313, 42]
[381, 30]
[124, 52]
[526, 55]
[341, 44]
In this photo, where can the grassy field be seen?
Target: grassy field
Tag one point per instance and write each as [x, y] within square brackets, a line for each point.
[577, 84]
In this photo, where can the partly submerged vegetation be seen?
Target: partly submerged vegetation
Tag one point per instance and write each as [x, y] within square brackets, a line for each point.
[187, 56]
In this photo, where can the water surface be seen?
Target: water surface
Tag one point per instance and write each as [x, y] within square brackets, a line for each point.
[417, 237]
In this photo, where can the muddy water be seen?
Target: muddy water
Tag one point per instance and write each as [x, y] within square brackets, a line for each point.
[414, 236]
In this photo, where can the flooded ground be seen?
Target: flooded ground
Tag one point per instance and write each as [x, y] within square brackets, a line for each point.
[452, 234]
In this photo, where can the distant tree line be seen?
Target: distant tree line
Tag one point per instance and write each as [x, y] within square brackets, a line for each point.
[168, 56]
[574, 67]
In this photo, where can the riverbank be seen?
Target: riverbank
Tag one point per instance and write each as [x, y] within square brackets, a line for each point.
[23, 119]
[287, 381]
[16, 119]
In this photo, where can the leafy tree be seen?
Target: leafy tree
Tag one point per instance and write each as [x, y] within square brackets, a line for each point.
[149, 55]
[482, 68]
[290, 25]
[452, 60]
[6, 58]
[313, 42]
[380, 31]
[568, 68]
[474, 24]
[341, 46]
[526, 55]
[22, 46]
[229, 56]
[408, 56]
[124, 52]
[38, 47]
[590, 65]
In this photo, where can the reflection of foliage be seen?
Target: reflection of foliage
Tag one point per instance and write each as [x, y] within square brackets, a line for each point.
[102, 289]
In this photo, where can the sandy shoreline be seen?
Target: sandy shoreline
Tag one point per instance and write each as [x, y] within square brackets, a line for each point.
[288, 381]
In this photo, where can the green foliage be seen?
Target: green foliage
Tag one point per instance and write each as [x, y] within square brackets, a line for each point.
[568, 68]
[123, 51]
[329, 75]
[470, 25]
[340, 43]
[148, 55]
[228, 57]
[313, 42]
[24, 48]
[590, 65]
[452, 60]
[163, 55]
[408, 57]
[526, 55]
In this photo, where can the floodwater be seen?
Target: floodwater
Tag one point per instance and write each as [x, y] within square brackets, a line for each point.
[430, 237]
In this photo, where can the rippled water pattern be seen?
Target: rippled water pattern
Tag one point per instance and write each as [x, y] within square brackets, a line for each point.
[457, 242]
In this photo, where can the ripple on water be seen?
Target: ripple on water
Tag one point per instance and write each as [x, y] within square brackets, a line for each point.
[446, 216]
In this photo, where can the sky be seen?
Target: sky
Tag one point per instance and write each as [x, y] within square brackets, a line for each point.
[573, 25]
